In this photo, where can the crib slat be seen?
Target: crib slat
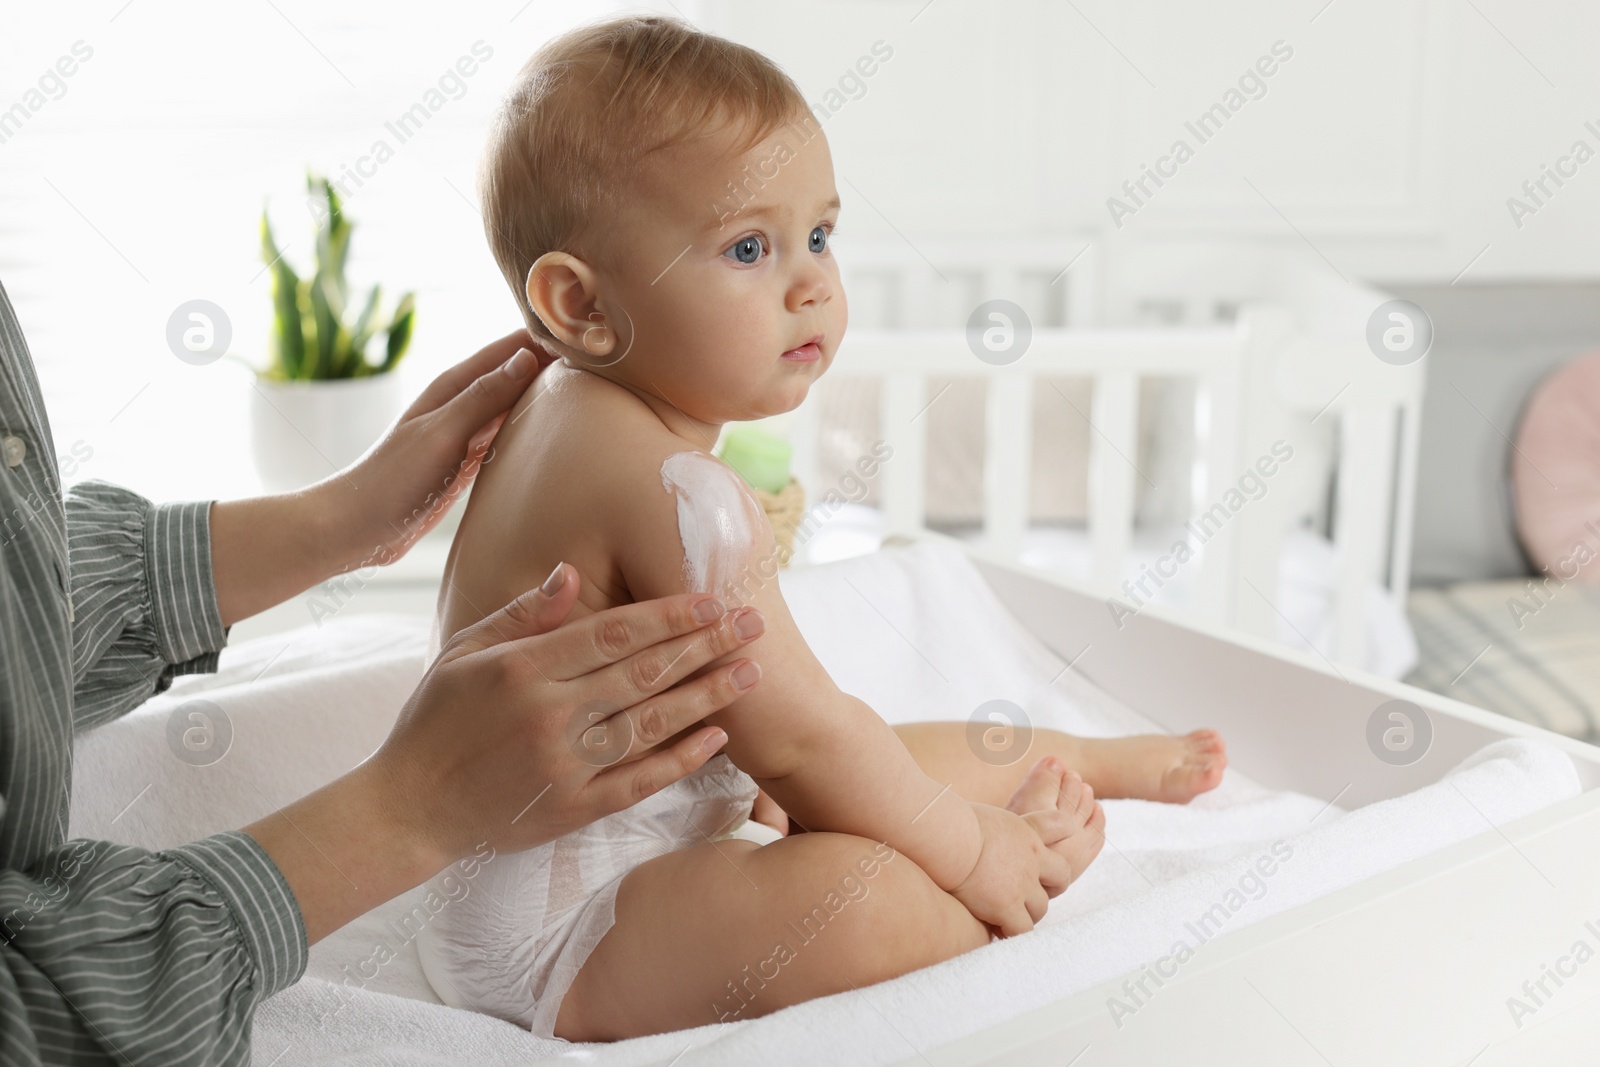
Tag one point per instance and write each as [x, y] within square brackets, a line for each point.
[905, 429]
[1082, 296]
[1113, 443]
[1006, 482]
[1260, 529]
[931, 297]
[1366, 451]
[1053, 352]
[1406, 497]
[1003, 281]
[1218, 571]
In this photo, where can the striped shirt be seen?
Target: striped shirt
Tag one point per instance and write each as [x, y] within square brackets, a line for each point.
[109, 953]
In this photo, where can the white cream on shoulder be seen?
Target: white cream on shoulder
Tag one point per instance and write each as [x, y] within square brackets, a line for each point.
[717, 522]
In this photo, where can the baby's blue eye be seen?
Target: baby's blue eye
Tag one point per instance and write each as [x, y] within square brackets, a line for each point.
[819, 239]
[746, 249]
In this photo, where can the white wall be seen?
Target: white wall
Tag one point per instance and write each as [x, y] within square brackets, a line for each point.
[139, 183]
[1389, 141]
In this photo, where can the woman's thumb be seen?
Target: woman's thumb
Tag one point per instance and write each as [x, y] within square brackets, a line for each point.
[490, 394]
[536, 611]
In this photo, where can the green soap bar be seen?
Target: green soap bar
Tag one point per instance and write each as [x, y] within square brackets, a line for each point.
[761, 458]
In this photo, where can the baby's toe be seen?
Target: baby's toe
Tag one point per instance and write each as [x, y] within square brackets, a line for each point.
[1196, 774]
[1081, 848]
[1076, 798]
[1039, 787]
[1097, 823]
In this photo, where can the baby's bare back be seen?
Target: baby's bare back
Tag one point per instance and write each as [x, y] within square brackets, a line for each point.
[569, 473]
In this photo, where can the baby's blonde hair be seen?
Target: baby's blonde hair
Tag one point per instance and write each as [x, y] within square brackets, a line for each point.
[588, 107]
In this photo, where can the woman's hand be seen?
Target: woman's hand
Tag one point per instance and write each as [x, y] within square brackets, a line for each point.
[380, 505]
[518, 734]
[267, 549]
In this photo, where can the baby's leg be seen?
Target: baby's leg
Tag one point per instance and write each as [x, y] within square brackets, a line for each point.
[726, 931]
[1144, 767]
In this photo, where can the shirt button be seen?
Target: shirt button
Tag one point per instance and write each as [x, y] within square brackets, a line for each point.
[15, 448]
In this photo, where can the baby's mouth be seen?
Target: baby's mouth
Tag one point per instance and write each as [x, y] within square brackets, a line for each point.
[806, 353]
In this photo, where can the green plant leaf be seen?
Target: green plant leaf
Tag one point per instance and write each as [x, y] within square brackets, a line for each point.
[333, 340]
[310, 338]
[289, 343]
[348, 356]
[269, 248]
[362, 333]
[286, 342]
[319, 185]
[332, 292]
[333, 269]
[310, 364]
[332, 239]
[405, 314]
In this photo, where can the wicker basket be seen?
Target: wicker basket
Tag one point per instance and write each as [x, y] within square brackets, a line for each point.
[784, 509]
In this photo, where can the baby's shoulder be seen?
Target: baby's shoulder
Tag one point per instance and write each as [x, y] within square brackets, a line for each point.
[676, 518]
[590, 447]
[597, 435]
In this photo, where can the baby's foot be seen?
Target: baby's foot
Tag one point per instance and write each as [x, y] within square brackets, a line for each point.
[1049, 786]
[1174, 770]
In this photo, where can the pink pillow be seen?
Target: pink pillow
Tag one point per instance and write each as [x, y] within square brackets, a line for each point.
[1555, 473]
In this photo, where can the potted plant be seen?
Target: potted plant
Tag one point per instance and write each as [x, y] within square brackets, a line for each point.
[321, 402]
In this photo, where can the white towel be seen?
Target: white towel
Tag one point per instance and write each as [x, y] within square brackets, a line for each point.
[915, 633]
[1157, 930]
[302, 708]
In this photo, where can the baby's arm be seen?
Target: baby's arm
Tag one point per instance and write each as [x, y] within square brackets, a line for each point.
[825, 756]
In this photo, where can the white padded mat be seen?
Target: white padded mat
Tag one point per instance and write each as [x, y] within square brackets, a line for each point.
[915, 633]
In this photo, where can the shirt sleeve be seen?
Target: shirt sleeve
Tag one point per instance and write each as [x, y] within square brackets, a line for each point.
[116, 954]
[144, 599]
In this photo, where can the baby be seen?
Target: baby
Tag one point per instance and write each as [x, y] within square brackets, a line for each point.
[661, 202]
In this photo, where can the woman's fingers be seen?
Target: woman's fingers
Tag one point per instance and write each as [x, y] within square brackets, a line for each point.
[624, 786]
[610, 637]
[479, 442]
[531, 614]
[488, 358]
[663, 665]
[467, 415]
[607, 637]
[602, 740]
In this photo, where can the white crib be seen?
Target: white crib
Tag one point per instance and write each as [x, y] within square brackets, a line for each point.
[1292, 364]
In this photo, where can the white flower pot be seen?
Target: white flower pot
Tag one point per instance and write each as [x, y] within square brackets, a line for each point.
[301, 432]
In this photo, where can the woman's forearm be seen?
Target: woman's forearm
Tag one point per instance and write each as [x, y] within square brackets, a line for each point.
[267, 549]
[345, 849]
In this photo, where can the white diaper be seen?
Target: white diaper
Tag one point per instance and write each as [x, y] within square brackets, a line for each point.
[513, 944]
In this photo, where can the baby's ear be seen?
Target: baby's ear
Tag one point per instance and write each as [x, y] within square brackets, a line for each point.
[561, 290]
